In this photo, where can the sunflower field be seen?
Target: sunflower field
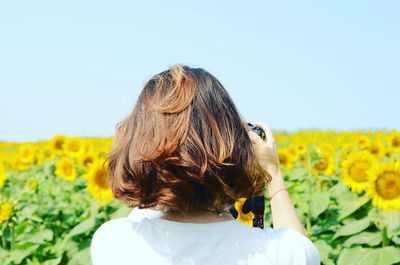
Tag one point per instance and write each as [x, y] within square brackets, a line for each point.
[345, 186]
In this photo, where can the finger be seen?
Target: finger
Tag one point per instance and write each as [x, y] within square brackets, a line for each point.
[268, 133]
[255, 139]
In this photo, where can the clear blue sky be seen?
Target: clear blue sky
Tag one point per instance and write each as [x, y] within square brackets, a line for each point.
[76, 67]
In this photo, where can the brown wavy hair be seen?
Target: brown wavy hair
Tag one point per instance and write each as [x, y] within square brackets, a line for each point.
[184, 147]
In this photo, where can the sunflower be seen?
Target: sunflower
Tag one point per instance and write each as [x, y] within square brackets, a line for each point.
[57, 143]
[65, 169]
[86, 160]
[326, 148]
[75, 147]
[384, 185]
[40, 156]
[26, 154]
[246, 218]
[394, 142]
[281, 138]
[102, 152]
[325, 165]
[377, 149]
[300, 148]
[363, 142]
[355, 168]
[6, 210]
[286, 157]
[98, 185]
[345, 149]
[3, 175]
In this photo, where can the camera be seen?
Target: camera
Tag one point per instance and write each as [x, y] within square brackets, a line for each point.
[254, 204]
[258, 131]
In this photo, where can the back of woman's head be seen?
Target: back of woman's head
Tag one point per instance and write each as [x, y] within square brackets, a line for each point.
[184, 147]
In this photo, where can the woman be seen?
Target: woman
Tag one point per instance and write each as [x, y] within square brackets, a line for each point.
[184, 156]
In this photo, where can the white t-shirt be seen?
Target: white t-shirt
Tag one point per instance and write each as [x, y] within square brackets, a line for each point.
[144, 238]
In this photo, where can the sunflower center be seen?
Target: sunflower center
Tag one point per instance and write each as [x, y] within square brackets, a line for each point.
[88, 160]
[100, 178]
[67, 168]
[58, 144]
[25, 153]
[282, 159]
[358, 170]
[74, 147]
[374, 150]
[396, 141]
[321, 165]
[388, 185]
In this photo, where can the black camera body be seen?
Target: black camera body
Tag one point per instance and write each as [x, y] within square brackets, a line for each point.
[258, 131]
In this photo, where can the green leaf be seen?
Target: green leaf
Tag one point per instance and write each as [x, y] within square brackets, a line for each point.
[3, 255]
[297, 173]
[41, 236]
[369, 238]
[34, 261]
[20, 228]
[62, 245]
[369, 256]
[81, 228]
[28, 212]
[22, 251]
[324, 249]
[81, 257]
[342, 194]
[36, 219]
[299, 202]
[393, 223]
[396, 239]
[328, 178]
[319, 203]
[353, 227]
[352, 206]
[53, 261]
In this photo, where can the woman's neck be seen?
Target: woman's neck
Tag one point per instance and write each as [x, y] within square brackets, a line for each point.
[198, 217]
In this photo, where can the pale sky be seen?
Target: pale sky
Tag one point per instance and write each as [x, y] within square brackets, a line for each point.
[77, 67]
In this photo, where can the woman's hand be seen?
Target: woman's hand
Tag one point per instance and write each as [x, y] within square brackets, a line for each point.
[266, 151]
[283, 211]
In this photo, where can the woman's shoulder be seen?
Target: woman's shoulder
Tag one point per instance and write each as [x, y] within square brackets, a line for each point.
[120, 229]
[123, 224]
[114, 240]
[114, 231]
[111, 227]
[292, 247]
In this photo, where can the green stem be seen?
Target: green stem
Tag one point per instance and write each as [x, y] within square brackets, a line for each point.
[3, 242]
[106, 212]
[385, 240]
[3, 239]
[309, 218]
[12, 234]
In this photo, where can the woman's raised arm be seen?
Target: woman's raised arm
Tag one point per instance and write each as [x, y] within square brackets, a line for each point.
[283, 211]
